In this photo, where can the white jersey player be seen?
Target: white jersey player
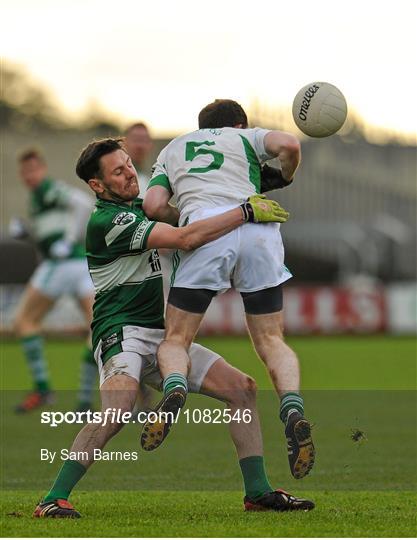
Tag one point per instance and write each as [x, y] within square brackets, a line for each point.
[209, 171]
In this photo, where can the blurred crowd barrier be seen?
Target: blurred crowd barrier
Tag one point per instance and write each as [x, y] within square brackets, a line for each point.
[326, 310]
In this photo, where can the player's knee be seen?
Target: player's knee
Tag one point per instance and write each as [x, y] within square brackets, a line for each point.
[245, 391]
[20, 325]
[177, 340]
[250, 387]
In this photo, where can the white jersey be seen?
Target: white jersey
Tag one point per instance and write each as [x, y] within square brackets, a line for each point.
[211, 168]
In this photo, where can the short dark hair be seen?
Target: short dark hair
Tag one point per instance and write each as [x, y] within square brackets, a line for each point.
[88, 164]
[136, 125]
[31, 153]
[222, 113]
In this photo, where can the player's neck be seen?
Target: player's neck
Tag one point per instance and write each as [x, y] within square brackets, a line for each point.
[114, 199]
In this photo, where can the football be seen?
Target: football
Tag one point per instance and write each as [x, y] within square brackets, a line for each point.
[319, 109]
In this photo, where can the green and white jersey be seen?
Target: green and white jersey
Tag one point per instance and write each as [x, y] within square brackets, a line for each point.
[210, 168]
[55, 215]
[127, 277]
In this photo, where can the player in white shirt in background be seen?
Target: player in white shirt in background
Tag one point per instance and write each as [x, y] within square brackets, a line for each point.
[208, 172]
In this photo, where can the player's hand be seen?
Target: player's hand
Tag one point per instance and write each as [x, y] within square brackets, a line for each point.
[61, 249]
[259, 209]
[17, 228]
[272, 178]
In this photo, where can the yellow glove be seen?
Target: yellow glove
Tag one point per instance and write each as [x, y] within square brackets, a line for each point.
[259, 209]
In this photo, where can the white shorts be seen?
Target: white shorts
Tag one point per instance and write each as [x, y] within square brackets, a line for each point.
[56, 278]
[138, 359]
[250, 258]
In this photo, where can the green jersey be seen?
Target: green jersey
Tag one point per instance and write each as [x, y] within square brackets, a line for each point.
[53, 218]
[127, 277]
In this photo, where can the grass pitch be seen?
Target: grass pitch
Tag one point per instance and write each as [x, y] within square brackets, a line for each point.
[191, 486]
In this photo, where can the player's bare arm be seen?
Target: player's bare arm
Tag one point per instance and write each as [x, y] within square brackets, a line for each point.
[156, 205]
[287, 149]
[197, 234]
[256, 209]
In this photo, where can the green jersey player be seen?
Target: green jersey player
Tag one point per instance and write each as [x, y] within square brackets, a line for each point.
[209, 171]
[58, 215]
[128, 324]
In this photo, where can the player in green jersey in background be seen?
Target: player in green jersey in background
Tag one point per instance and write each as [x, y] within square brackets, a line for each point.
[58, 216]
[128, 324]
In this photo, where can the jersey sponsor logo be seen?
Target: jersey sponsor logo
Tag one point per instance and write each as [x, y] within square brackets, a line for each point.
[124, 218]
[109, 342]
[139, 234]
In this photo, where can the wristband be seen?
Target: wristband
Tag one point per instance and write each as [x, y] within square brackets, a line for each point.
[248, 213]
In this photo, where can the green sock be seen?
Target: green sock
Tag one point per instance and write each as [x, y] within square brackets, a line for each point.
[88, 378]
[33, 350]
[173, 380]
[291, 400]
[71, 472]
[254, 476]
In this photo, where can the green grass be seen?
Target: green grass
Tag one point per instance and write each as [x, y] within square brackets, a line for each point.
[205, 514]
[192, 487]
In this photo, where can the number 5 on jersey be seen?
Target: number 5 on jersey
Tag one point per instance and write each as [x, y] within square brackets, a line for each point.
[192, 151]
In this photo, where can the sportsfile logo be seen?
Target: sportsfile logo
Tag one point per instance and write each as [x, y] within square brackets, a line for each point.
[108, 416]
[117, 416]
[305, 104]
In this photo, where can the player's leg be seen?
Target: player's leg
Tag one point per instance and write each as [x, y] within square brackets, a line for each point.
[184, 313]
[197, 276]
[118, 391]
[88, 371]
[238, 391]
[33, 307]
[265, 324]
[173, 362]
[266, 332]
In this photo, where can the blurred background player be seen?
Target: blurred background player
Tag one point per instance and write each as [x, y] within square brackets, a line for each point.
[209, 171]
[139, 146]
[59, 214]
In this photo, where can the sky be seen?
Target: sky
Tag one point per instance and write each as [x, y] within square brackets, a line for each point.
[162, 61]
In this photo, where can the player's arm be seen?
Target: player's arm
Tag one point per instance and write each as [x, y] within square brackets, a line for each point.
[196, 234]
[156, 202]
[156, 205]
[287, 149]
[80, 206]
[256, 209]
